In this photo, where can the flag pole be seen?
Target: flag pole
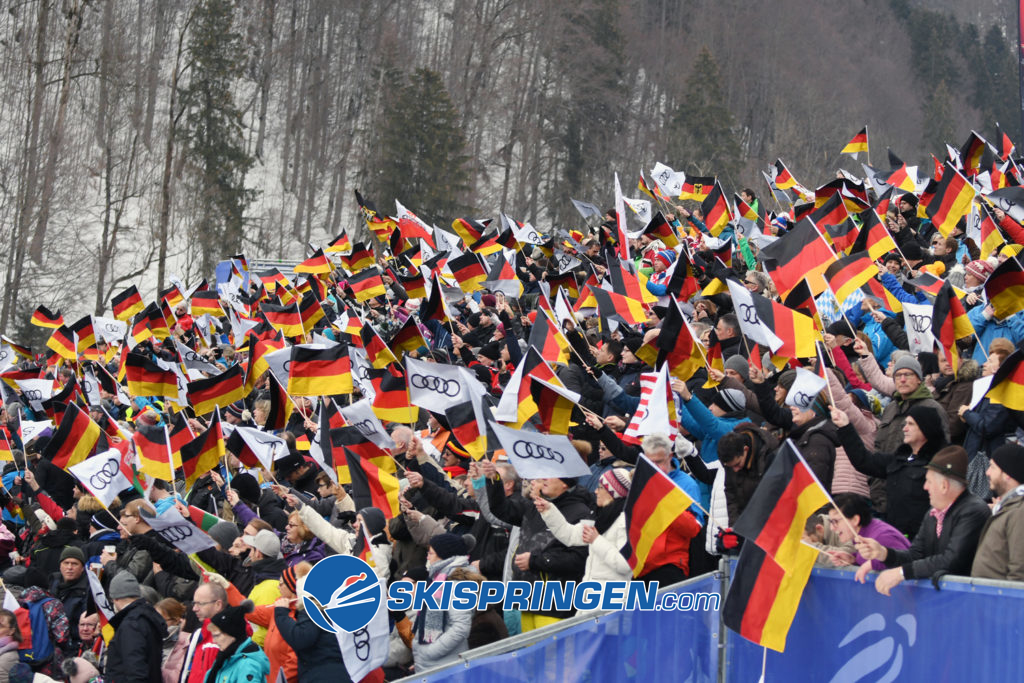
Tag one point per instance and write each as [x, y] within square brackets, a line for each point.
[799, 455]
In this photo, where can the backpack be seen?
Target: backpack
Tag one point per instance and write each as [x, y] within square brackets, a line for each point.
[36, 645]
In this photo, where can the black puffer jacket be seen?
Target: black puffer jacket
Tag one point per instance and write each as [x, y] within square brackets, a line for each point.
[817, 441]
[903, 471]
[740, 486]
[137, 646]
[550, 560]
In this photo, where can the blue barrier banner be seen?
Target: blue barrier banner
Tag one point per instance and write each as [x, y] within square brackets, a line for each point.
[621, 646]
[845, 632]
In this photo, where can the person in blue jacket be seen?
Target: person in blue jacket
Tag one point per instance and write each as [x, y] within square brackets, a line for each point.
[240, 660]
[987, 327]
[709, 424]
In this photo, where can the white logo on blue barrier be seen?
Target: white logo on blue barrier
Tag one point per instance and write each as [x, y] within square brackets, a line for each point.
[875, 655]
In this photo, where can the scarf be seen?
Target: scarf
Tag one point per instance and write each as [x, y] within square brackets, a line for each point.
[607, 515]
[222, 657]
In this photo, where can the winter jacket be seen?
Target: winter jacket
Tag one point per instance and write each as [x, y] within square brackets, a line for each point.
[8, 657]
[45, 556]
[76, 598]
[175, 647]
[317, 652]
[134, 655]
[845, 477]
[439, 636]
[695, 417]
[817, 441]
[200, 654]
[884, 533]
[247, 664]
[604, 561]
[903, 471]
[954, 393]
[987, 329]
[342, 541]
[889, 436]
[550, 559]
[311, 551]
[988, 426]
[1000, 553]
[953, 551]
[279, 653]
[740, 486]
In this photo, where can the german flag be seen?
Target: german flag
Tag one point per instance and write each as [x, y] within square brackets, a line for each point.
[873, 237]
[367, 284]
[882, 205]
[360, 258]
[62, 342]
[842, 236]
[876, 289]
[800, 253]
[858, 143]
[6, 454]
[310, 311]
[468, 271]
[171, 296]
[831, 212]
[802, 211]
[391, 396]
[991, 237]
[127, 304]
[75, 439]
[745, 210]
[610, 304]
[801, 299]
[415, 285]
[382, 226]
[286, 319]
[850, 273]
[763, 597]
[654, 506]
[203, 453]
[180, 434]
[683, 279]
[971, 153]
[567, 281]
[85, 332]
[153, 446]
[408, 338]
[317, 264]
[716, 210]
[467, 429]
[372, 486]
[435, 307]
[950, 323]
[488, 244]
[697, 188]
[377, 352]
[774, 518]
[900, 178]
[470, 230]
[532, 366]
[150, 323]
[44, 318]
[1005, 288]
[660, 229]
[339, 245]
[320, 372]
[952, 200]
[782, 178]
[207, 302]
[1007, 388]
[219, 391]
[555, 406]
[549, 340]
[643, 187]
[280, 405]
[146, 378]
[927, 282]
[677, 346]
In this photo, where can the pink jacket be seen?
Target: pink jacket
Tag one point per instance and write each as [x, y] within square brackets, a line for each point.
[845, 478]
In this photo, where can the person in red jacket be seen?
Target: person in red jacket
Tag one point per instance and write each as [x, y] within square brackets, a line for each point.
[209, 599]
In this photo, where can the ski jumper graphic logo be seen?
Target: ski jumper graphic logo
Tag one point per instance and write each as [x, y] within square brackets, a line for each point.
[341, 594]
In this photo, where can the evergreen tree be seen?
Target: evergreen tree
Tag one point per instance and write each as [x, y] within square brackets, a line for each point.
[422, 159]
[212, 132]
[703, 136]
[938, 118]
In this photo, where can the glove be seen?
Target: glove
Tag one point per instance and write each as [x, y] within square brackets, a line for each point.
[727, 542]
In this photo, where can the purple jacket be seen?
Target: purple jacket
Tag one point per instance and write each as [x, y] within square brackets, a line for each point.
[887, 535]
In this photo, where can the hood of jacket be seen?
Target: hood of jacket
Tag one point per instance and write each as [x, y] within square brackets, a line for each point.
[819, 425]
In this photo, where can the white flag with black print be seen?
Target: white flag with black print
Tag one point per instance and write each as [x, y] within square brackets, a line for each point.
[99, 596]
[641, 209]
[751, 324]
[110, 330]
[805, 389]
[918, 320]
[360, 415]
[193, 361]
[266, 446]
[540, 456]
[102, 475]
[434, 386]
[178, 531]
[91, 388]
[366, 649]
[35, 391]
[361, 371]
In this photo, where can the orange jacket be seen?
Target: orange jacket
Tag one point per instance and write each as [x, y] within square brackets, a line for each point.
[280, 654]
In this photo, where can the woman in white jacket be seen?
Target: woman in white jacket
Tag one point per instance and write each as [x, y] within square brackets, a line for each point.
[606, 534]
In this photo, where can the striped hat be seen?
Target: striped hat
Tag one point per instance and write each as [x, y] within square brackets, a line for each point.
[616, 482]
[288, 579]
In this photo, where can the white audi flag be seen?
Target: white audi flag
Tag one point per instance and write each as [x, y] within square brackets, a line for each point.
[360, 415]
[805, 389]
[179, 532]
[540, 456]
[366, 649]
[193, 361]
[266, 446]
[102, 475]
[751, 324]
[434, 386]
[35, 391]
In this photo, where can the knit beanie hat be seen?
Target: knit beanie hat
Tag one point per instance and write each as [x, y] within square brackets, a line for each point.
[730, 400]
[909, 363]
[374, 520]
[979, 269]
[247, 487]
[224, 533]
[231, 620]
[103, 520]
[616, 482]
[738, 364]
[929, 421]
[787, 378]
[73, 553]
[1010, 459]
[288, 579]
[449, 545]
[124, 585]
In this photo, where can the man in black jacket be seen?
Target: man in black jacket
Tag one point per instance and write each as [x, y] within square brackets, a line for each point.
[949, 534]
[135, 650]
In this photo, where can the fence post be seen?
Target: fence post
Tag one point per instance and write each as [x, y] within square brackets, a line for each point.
[723, 631]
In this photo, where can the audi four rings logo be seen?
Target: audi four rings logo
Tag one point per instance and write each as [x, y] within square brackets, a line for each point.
[32, 394]
[802, 399]
[439, 385]
[111, 327]
[920, 323]
[365, 428]
[363, 372]
[532, 236]
[528, 449]
[103, 476]
[749, 314]
[361, 640]
[176, 533]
